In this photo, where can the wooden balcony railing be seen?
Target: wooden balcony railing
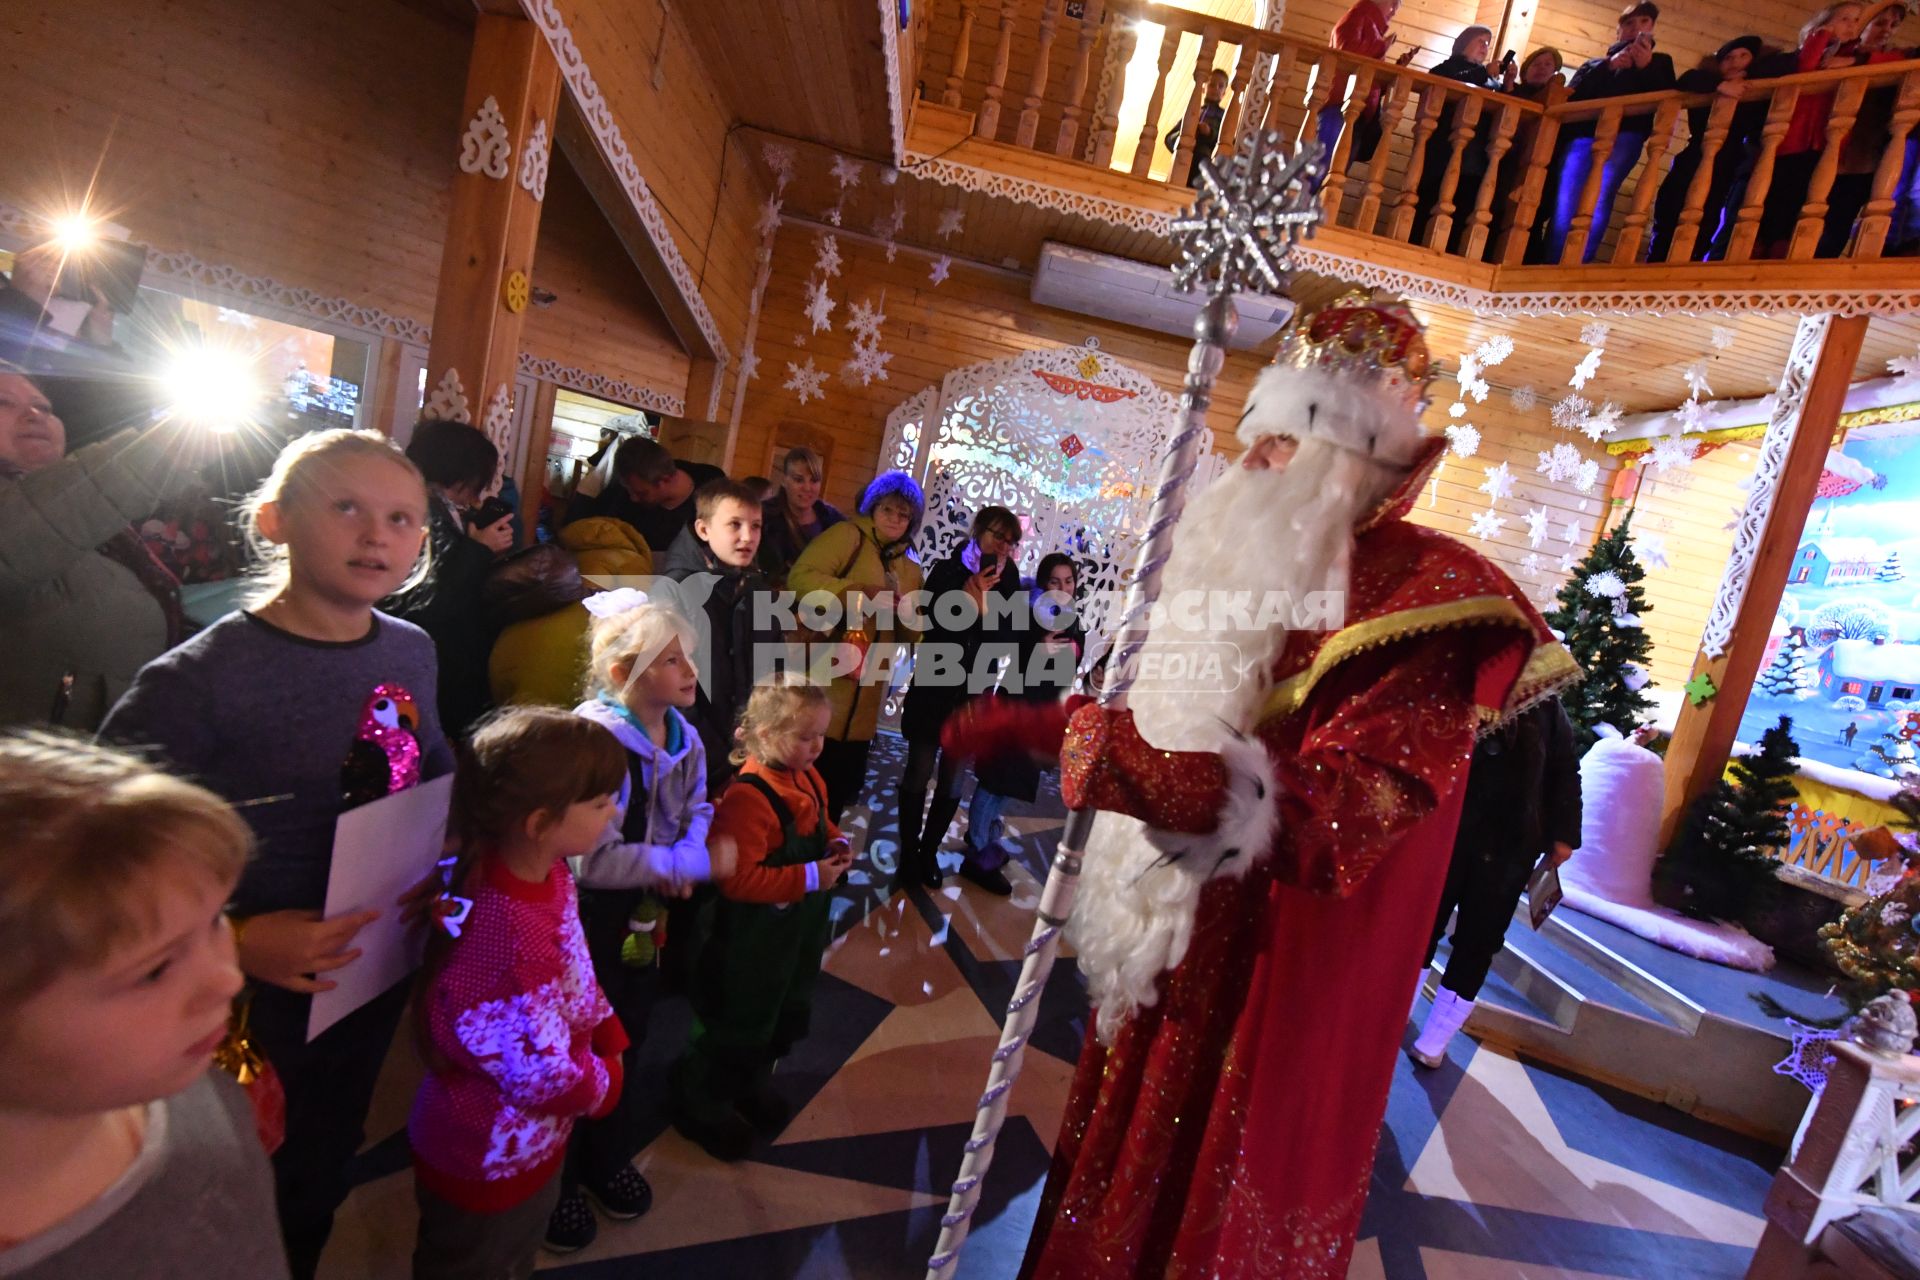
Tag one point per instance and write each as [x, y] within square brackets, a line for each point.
[1457, 170]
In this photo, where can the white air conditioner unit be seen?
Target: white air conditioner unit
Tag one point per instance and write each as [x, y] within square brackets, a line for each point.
[1141, 294]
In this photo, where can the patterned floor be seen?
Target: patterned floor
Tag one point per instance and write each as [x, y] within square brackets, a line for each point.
[1488, 1169]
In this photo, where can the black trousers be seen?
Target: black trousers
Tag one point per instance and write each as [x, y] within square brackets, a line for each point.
[1485, 887]
[843, 767]
[926, 762]
[600, 1148]
[329, 1086]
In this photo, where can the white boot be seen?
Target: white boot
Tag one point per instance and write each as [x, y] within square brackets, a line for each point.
[1448, 1014]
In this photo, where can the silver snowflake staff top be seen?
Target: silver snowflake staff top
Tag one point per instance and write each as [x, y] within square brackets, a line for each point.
[1251, 211]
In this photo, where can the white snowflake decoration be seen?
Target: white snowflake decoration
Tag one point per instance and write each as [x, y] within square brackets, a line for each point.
[833, 215]
[950, 220]
[484, 147]
[750, 365]
[1570, 411]
[805, 380]
[846, 171]
[1530, 564]
[779, 158]
[1692, 416]
[1650, 549]
[1695, 375]
[1493, 350]
[1566, 562]
[1584, 371]
[1587, 476]
[769, 217]
[1723, 337]
[868, 366]
[1498, 483]
[1524, 398]
[1671, 453]
[1571, 534]
[891, 249]
[1595, 334]
[1465, 440]
[819, 306]
[1486, 524]
[1605, 584]
[1458, 409]
[937, 271]
[863, 322]
[1907, 367]
[1538, 518]
[1603, 421]
[826, 258]
[1477, 388]
[1560, 464]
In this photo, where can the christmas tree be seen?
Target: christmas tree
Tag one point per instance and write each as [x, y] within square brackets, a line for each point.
[1721, 863]
[1599, 614]
[1874, 944]
[1890, 570]
[1893, 754]
[1788, 675]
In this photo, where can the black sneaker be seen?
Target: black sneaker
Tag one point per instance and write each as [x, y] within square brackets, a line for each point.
[571, 1227]
[994, 881]
[727, 1140]
[627, 1195]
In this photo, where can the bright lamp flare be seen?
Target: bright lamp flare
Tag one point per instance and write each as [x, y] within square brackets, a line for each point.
[214, 388]
[75, 232]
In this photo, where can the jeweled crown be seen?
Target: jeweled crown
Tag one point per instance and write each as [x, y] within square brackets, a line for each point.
[1377, 341]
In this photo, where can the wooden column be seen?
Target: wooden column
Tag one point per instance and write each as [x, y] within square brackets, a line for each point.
[1811, 393]
[961, 49]
[1029, 126]
[505, 135]
[1068, 137]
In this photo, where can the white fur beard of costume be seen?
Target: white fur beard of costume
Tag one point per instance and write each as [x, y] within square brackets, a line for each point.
[1257, 531]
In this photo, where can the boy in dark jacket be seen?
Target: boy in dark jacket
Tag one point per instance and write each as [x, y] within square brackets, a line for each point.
[1523, 800]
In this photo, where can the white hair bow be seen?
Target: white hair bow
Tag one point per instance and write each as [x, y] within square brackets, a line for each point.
[607, 604]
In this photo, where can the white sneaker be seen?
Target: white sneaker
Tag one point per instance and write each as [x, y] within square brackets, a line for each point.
[1448, 1014]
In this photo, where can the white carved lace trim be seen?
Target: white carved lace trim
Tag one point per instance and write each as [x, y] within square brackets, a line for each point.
[890, 49]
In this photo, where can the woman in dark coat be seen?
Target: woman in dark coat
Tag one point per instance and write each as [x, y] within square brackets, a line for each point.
[982, 568]
[1728, 67]
[1523, 800]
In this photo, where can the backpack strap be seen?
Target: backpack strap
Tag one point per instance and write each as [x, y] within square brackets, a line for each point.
[774, 802]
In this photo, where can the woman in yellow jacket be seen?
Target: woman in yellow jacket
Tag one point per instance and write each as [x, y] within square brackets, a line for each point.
[864, 555]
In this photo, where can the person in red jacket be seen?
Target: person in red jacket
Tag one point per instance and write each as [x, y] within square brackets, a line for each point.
[1363, 31]
[518, 1038]
[1799, 151]
[755, 972]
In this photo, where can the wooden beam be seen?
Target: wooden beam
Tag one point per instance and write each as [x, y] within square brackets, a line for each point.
[1703, 736]
[533, 485]
[493, 223]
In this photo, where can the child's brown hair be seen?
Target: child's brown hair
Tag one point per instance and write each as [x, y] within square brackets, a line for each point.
[773, 713]
[706, 502]
[86, 834]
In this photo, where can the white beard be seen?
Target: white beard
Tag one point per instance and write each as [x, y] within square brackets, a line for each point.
[1257, 531]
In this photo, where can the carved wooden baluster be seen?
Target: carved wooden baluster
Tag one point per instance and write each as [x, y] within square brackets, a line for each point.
[1686, 232]
[1334, 186]
[1633, 229]
[1481, 225]
[1190, 125]
[988, 123]
[1119, 54]
[1432, 99]
[1324, 76]
[1150, 131]
[1813, 214]
[1063, 142]
[1466, 120]
[1393, 105]
[1518, 231]
[1876, 215]
[1229, 140]
[1747, 226]
[1603, 139]
[961, 52]
[1282, 91]
[1037, 84]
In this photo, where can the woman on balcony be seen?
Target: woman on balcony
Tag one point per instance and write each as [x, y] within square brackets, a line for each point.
[1468, 64]
[1872, 135]
[1539, 75]
[1821, 42]
[1725, 72]
[1362, 31]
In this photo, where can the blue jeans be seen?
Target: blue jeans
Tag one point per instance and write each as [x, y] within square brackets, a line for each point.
[983, 828]
[1570, 175]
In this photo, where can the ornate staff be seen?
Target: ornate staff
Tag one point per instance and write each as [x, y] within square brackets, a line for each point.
[1243, 226]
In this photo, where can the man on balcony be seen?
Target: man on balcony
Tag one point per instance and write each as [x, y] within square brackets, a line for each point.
[1629, 66]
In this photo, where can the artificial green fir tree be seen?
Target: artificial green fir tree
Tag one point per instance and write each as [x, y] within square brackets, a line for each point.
[1599, 614]
[1875, 943]
[1720, 866]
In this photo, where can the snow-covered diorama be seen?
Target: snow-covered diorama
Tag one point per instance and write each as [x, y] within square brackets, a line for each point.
[1844, 656]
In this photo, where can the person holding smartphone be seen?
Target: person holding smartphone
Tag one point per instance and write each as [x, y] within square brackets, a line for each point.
[949, 666]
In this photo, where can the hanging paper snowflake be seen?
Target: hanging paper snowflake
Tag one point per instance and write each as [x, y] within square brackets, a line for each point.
[1724, 337]
[1566, 562]
[1587, 476]
[937, 272]
[1486, 524]
[769, 217]
[1499, 482]
[1603, 421]
[864, 320]
[1560, 464]
[779, 158]
[805, 380]
[1671, 453]
[826, 257]
[1595, 334]
[1538, 519]
[950, 220]
[1570, 411]
[1493, 350]
[1692, 416]
[1695, 376]
[846, 171]
[1524, 398]
[1530, 564]
[1458, 409]
[1584, 371]
[1477, 389]
[891, 249]
[1604, 584]
[868, 366]
[1650, 549]
[1465, 440]
[1908, 367]
[750, 365]
[819, 306]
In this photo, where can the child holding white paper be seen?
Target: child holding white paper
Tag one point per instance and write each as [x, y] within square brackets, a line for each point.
[641, 685]
[518, 1038]
[306, 704]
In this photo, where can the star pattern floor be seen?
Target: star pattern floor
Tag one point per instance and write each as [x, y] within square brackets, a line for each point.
[1488, 1169]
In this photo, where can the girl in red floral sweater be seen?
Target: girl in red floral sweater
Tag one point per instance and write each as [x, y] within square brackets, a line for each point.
[519, 1040]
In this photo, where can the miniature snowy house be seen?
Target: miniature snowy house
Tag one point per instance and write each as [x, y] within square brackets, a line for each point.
[1829, 562]
[1876, 671]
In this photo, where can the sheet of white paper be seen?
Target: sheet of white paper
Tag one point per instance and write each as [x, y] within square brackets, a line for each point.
[380, 851]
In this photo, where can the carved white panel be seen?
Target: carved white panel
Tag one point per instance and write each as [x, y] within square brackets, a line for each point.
[901, 440]
[598, 384]
[449, 399]
[533, 161]
[498, 422]
[484, 147]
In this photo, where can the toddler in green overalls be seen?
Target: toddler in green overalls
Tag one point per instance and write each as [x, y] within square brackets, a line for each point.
[754, 977]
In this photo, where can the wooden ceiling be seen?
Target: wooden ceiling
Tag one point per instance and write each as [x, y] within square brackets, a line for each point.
[812, 70]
